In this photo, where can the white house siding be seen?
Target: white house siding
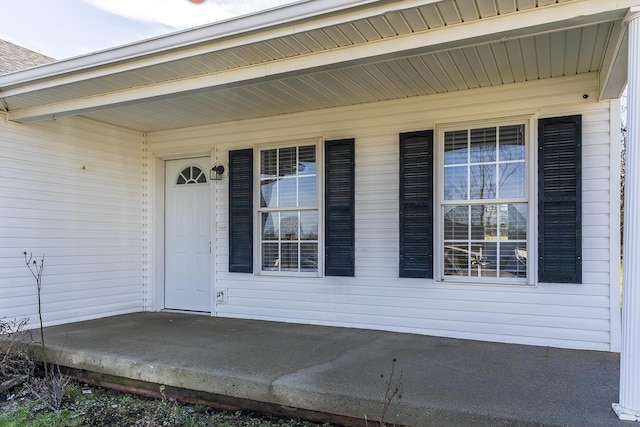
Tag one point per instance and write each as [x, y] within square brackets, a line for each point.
[72, 190]
[562, 315]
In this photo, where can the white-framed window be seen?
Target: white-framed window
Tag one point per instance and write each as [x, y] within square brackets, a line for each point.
[484, 202]
[288, 214]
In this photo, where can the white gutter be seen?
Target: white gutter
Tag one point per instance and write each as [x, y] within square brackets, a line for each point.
[250, 28]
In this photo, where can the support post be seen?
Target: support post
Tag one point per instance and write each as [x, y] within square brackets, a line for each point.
[629, 407]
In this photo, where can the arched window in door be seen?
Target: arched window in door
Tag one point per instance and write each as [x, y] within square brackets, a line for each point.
[192, 175]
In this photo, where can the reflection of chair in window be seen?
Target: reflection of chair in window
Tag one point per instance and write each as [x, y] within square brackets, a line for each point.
[521, 256]
[461, 261]
[455, 264]
[309, 262]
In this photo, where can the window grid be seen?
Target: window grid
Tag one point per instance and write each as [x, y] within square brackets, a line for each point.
[484, 206]
[288, 209]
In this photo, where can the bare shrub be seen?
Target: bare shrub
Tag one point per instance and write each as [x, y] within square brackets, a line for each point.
[16, 364]
[392, 392]
[164, 413]
[49, 389]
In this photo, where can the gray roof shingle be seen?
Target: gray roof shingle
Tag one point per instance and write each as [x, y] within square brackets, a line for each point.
[14, 57]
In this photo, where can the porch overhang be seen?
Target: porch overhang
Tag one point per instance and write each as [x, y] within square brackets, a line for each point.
[306, 57]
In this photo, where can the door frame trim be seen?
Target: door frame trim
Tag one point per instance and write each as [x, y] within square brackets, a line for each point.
[159, 184]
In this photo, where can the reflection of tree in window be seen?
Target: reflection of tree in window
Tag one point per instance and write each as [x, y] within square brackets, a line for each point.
[475, 160]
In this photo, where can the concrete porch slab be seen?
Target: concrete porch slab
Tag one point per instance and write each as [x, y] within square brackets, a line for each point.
[342, 373]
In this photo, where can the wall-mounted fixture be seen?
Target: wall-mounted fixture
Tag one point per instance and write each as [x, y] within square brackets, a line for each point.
[221, 295]
[217, 172]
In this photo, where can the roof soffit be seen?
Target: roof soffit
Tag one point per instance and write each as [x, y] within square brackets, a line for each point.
[281, 21]
[414, 15]
[393, 34]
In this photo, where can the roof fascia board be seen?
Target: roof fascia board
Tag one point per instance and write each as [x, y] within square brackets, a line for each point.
[613, 76]
[277, 22]
[613, 72]
[473, 33]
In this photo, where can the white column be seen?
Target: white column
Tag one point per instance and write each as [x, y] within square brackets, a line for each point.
[629, 407]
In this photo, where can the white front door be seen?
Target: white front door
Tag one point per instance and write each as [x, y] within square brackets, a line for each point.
[187, 235]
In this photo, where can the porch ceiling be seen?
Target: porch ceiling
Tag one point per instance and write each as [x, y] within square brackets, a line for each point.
[384, 50]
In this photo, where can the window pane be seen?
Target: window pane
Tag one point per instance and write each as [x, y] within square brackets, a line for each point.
[484, 222]
[289, 226]
[456, 259]
[268, 178]
[512, 180]
[455, 183]
[483, 182]
[270, 258]
[270, 222]
[307, 191]
[289, 257]
[456, 222]
[513, 259]
[309, 257]
[287, 161]
[483, 145]
[307, 160]
[269, 192]
[201, 178]
[309, 225]
[268, 164]
[512, 143]
[287, 192]
[484, 260]
[456, 147]
[513, 220]
[477, 223]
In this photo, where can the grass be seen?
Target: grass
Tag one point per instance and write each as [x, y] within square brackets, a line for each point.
[88, 406]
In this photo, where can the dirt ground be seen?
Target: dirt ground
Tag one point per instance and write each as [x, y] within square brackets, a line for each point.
[86, 405]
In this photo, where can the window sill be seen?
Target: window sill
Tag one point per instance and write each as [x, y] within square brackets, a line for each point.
[275, 273]
[484, 281]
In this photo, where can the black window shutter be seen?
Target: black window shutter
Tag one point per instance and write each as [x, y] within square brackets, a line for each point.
[339, 207]
[560, 199]
[241, 211]
[416, 204]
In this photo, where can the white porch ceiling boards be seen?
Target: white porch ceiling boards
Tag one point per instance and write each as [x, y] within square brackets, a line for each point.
[446, 71]
[386, 51]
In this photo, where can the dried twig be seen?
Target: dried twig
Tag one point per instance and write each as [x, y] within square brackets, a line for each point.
[36, 271]
[394, 388]
[51, 388]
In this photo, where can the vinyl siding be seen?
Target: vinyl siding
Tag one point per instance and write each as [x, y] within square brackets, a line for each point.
[562, 315]
[72, 190]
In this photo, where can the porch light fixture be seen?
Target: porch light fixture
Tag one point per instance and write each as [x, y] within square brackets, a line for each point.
[217, 171]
